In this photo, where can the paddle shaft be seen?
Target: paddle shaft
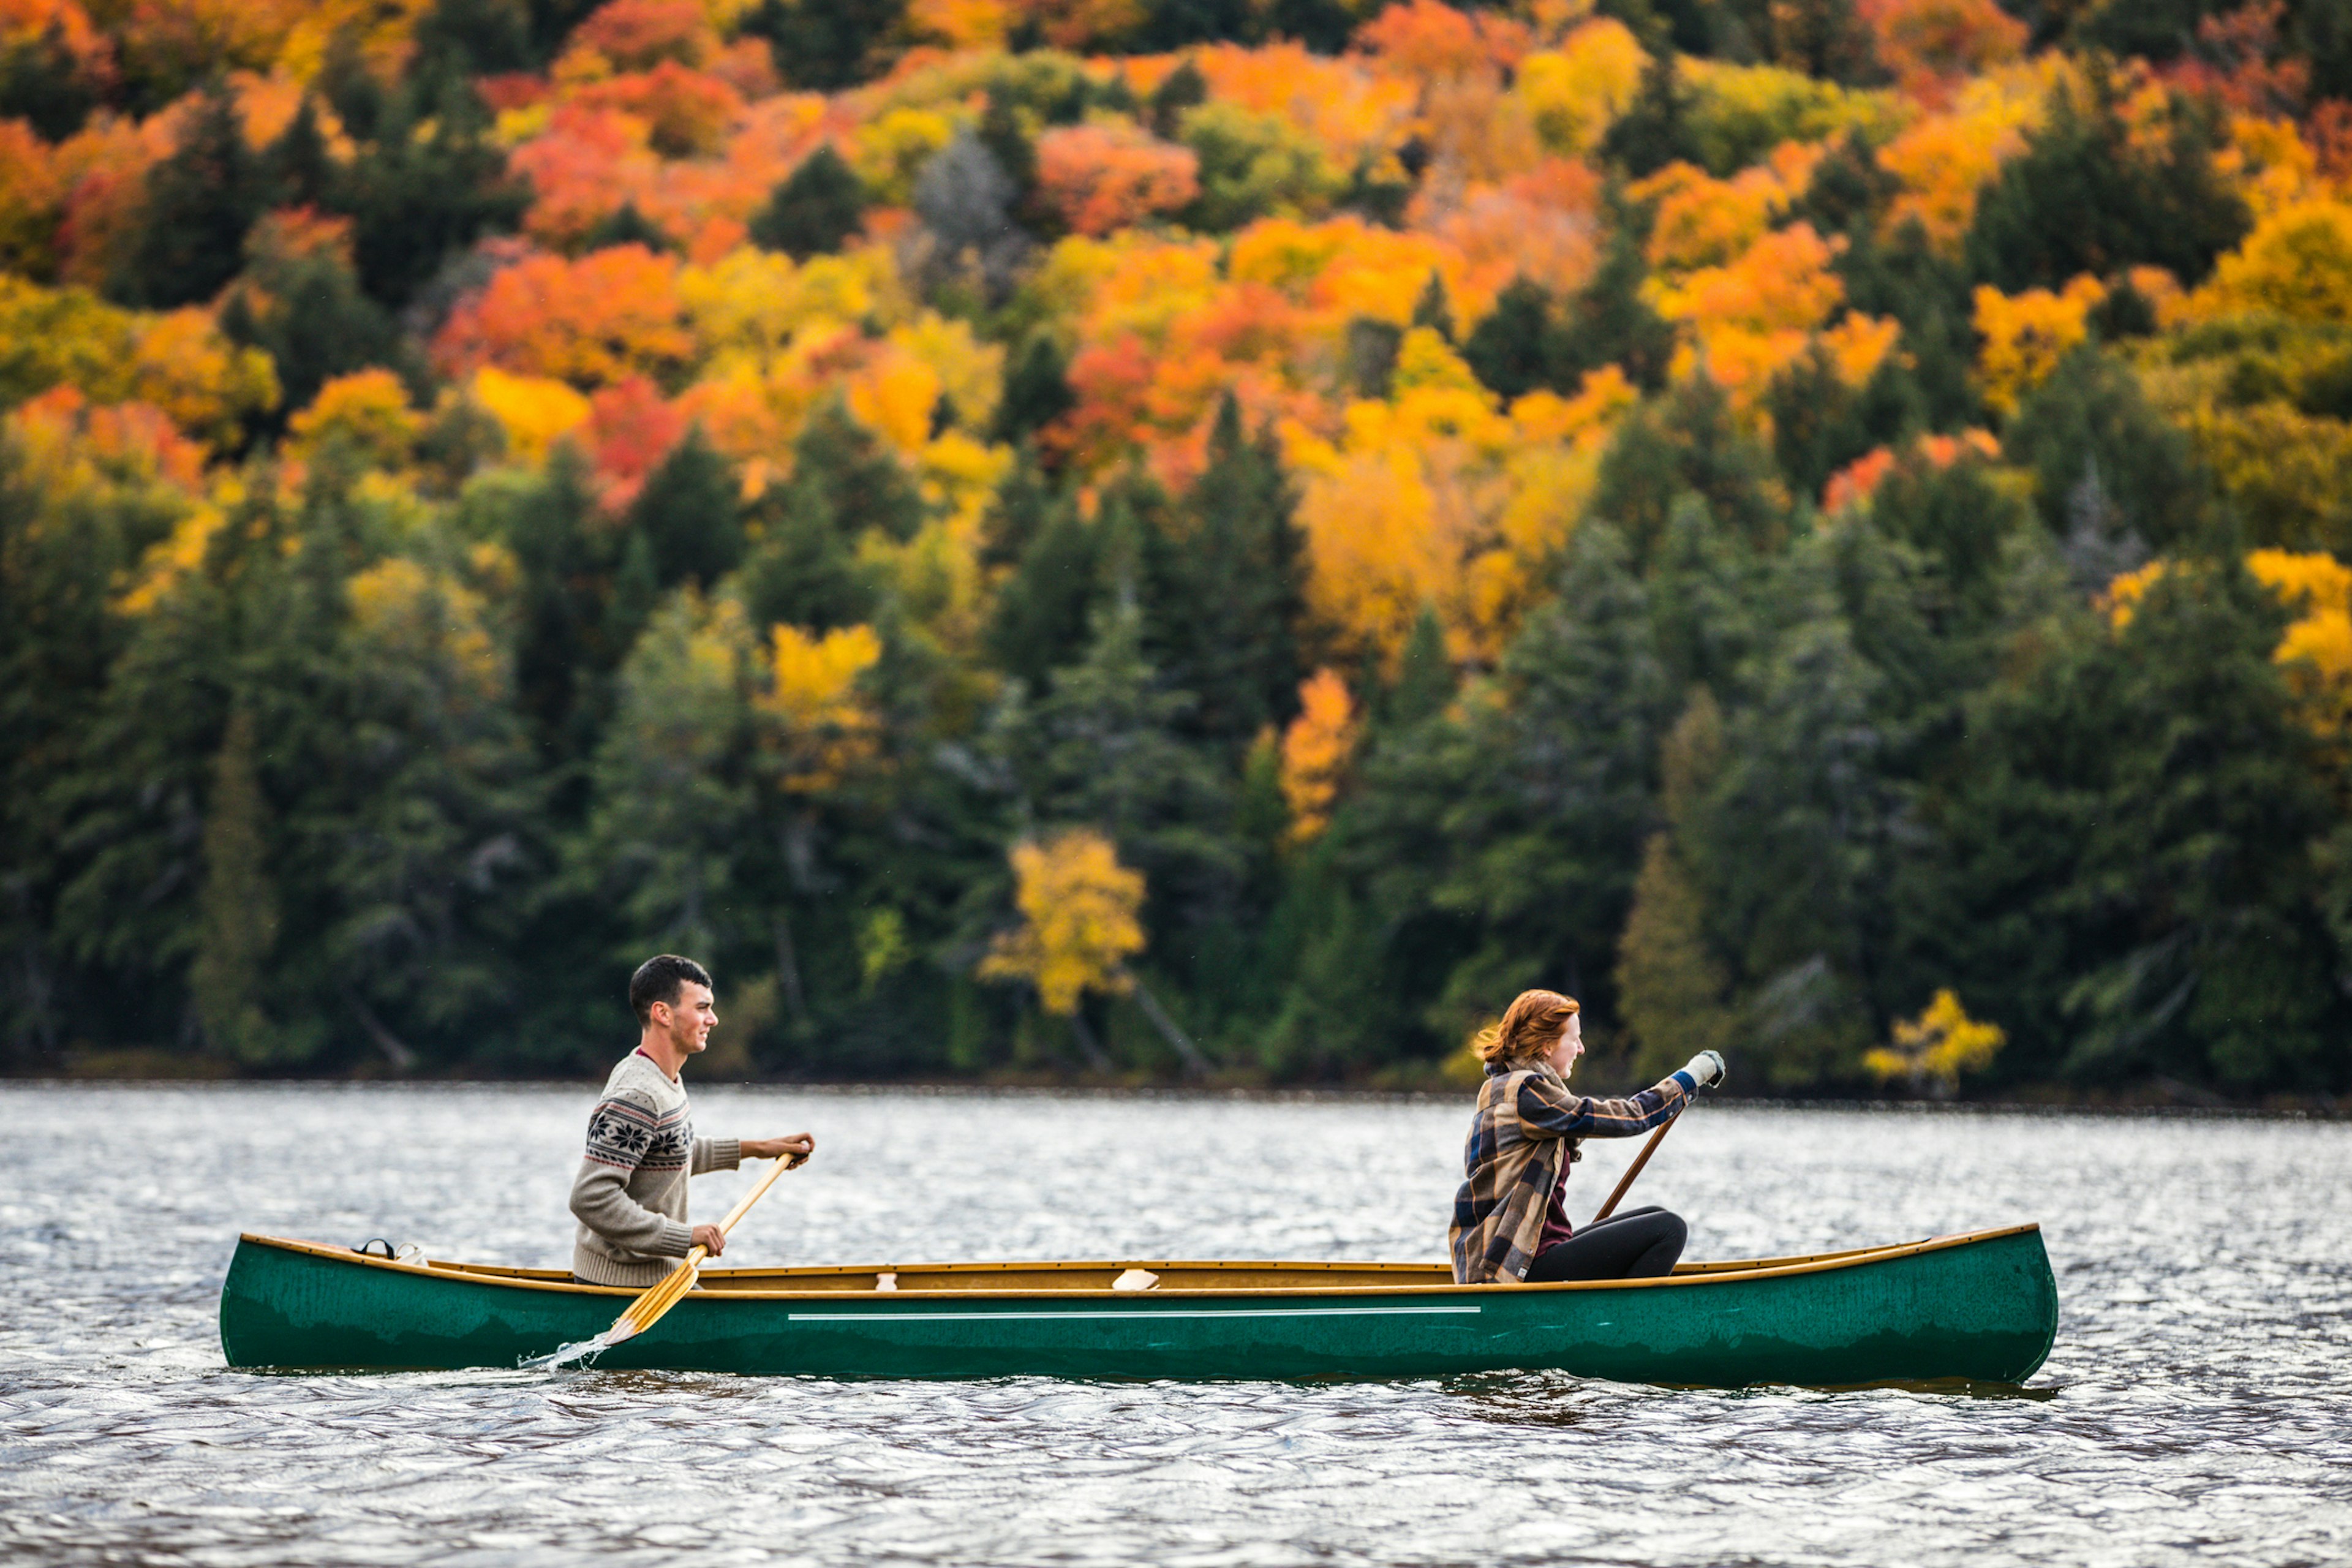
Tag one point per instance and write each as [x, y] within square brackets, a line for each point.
[1635, 1169]
[646, 1309]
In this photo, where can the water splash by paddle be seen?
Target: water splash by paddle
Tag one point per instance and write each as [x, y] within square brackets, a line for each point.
[579, 1352]
[582, 1352]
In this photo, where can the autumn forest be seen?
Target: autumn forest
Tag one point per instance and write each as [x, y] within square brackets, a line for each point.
[1180, 540]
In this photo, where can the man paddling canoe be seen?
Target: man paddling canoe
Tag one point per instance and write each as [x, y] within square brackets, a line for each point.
[1510, 1219]
[630, 1193]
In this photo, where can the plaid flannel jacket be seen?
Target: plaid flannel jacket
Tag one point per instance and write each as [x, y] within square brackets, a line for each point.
[1527, 1123]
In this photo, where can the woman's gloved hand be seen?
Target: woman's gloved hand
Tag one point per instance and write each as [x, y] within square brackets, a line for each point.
[1706, 1068]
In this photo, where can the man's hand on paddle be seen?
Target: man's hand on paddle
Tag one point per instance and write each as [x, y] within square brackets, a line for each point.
[796, 1148]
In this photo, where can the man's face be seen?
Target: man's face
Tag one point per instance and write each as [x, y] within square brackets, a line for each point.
[687, 1020]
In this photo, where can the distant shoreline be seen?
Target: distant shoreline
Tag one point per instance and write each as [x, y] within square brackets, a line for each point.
[2156, 1097]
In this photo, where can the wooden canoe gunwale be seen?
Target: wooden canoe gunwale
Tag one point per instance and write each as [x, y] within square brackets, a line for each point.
[720, 1283]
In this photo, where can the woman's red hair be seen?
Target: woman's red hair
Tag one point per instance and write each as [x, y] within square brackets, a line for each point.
[1529, 1026]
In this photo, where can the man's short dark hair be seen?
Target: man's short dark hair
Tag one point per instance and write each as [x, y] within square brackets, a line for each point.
[659, 979]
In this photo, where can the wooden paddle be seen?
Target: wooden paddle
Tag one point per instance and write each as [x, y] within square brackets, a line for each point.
[1635, 1169]
[646, 1310]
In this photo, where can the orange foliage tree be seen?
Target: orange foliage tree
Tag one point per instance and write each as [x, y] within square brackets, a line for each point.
[609, 315]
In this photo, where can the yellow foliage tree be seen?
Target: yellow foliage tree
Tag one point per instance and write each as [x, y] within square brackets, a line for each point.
[1315, 752]
[1078, 908]
[1944, 160]
[2025, 335]
[533, 410]
[2316, 647]
[1935, 1048]
[206, 382]
[2296, 263]
[369, 408]
[818, 727]
[1573, 93]
[894, 148]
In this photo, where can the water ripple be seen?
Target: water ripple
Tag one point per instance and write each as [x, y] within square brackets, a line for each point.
[2199, 1406]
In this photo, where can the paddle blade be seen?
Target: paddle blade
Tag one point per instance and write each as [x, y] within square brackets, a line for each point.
[645, 1311]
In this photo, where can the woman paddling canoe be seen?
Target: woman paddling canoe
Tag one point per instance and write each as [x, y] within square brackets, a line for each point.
[1511, 1222]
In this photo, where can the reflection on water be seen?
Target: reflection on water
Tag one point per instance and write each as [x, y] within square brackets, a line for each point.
[2198, 1404]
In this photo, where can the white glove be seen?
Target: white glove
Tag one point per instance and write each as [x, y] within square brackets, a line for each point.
[1706, 1067]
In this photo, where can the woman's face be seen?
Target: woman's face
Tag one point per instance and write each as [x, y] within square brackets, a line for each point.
[1568, 1048]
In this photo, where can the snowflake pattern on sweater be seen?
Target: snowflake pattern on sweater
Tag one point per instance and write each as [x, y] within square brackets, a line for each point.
[625, 1131]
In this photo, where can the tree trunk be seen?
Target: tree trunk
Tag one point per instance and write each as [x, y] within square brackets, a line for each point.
[1195, 1064]
[788, 974]
[1097, 1057]
[403, 1059]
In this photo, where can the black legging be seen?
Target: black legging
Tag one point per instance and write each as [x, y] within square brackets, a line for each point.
[1640, 1244]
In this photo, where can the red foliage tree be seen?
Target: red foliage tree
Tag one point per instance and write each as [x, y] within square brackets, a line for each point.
[637, 34]
[1102, 178]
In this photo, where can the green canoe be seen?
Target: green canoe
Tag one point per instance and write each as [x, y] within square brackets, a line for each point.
[1980, 1306]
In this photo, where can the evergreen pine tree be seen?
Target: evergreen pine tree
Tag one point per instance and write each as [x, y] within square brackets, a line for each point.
[805, 571]
[690, 513]
[1017, 513]
[238, 910]
[1182, 88]
[822, 203]
[1825, 39]
[1036, 390]
[1173, 24]
[624, 224]
[2090, 194]
[308, 312]
[1672, 991]
[1689, 443]
[566, 648]
[348, 84]
[2105, 461]
[1043, 610]
[429, 183]
[1432, 310]
[1791, 847]
[1323, 26]
[824, 46]
[1817, 425]
[200, 201]
[1609, 321]
[674, 813]
[459, 39]
[1102, 746]
[298, 167]
[1001, 132]
[43, 84]
[1226, 588]
[857, 478]
[1849, 190]
[1511, 349]
[1655, 129]
[1425, 679]
[1371, 355]
[2162, 768]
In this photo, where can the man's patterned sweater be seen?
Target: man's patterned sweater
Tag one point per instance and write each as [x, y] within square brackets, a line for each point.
[630, 1193]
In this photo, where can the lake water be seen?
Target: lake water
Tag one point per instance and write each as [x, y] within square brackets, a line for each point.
[2197, 1408]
